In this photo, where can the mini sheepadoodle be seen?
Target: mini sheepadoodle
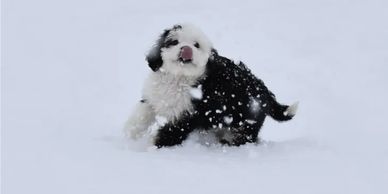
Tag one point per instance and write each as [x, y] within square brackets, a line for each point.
[192, 87]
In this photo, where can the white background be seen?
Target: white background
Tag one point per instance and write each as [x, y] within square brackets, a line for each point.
[72, 71]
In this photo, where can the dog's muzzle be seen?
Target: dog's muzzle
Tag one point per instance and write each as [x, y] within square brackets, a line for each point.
[186, 54]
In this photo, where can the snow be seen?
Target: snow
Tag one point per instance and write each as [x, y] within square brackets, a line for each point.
[72, 72]
[196, 93]
[228, 119]
[152, 130]
[292, 109]
[250, 121]
[255, 105]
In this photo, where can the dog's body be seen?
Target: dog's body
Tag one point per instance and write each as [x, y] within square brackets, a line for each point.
[194, 88]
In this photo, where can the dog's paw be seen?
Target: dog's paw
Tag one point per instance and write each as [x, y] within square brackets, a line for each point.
[133, 132]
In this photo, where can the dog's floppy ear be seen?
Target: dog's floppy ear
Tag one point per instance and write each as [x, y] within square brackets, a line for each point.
[154, 57]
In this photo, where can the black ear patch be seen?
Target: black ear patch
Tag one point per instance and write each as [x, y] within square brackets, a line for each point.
[154, 60]
[154, 57]
[213, 54]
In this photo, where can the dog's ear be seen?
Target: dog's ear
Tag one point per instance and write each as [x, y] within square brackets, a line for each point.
[213, 54]
[154, 56]
[154, 59]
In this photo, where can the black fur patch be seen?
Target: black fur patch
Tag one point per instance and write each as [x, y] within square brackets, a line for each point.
[233, 99]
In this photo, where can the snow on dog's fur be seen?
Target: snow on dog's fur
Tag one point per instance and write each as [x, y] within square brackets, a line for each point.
[192, 88]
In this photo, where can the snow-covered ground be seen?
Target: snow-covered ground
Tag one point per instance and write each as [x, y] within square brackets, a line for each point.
[73, 70]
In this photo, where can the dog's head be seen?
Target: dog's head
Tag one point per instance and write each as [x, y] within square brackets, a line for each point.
[180, 50]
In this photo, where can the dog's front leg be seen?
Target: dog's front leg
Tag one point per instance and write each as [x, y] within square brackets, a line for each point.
[173, 133]
[142, 117]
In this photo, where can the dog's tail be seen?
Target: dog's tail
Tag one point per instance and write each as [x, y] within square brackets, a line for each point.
[267, 99]
[281, 112]
[273, 108]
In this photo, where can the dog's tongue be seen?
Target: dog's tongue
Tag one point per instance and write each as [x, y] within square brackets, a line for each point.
[186, 53]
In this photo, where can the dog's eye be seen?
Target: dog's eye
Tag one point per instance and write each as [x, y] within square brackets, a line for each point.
[171, 43]
[174, 42]
[196, 44]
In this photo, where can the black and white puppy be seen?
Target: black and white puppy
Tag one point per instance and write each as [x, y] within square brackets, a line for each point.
[193, 88]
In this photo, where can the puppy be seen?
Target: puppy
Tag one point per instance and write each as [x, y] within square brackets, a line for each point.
[192, 88]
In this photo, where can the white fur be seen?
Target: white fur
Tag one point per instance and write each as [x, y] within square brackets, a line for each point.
[169, 95]
[166, 96]
[291, 110]
[188, 35]
[142, 117]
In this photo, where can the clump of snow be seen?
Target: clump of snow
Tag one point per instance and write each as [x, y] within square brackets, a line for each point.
[228, 119]
[160, 121]
[291, 110]
[254, 105]
[250, 121]
[196, 92]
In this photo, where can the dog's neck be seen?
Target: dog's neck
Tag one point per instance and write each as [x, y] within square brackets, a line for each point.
[169, 78]
[169, 94]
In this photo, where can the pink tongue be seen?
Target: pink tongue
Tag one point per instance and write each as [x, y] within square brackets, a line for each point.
[186, 53]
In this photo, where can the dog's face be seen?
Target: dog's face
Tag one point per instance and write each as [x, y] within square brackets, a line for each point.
[181, 50]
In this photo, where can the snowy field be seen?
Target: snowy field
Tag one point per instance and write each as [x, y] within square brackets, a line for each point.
[72, 71]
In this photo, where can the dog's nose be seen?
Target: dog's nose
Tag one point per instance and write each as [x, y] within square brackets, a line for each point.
[186, 53]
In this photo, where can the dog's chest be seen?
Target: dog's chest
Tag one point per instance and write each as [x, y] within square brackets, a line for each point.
[169, 95]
